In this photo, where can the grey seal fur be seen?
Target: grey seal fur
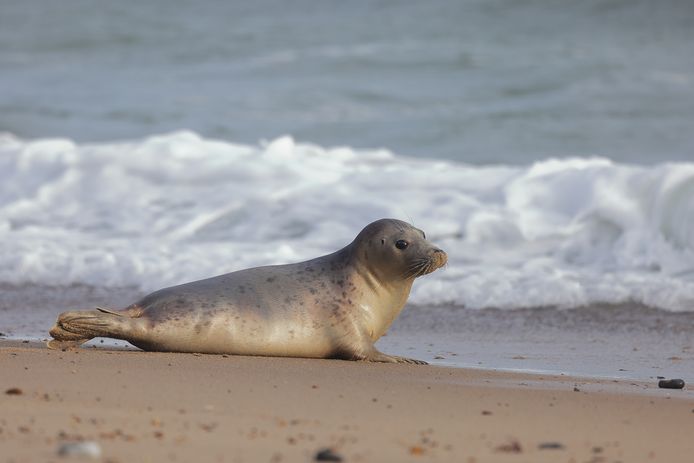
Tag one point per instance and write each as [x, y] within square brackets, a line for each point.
[334, 306]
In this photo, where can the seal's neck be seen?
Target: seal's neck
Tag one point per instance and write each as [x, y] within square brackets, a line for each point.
[383, 298]
[392, 297]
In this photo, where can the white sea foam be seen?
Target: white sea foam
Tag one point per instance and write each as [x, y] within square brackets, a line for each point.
[176, 207]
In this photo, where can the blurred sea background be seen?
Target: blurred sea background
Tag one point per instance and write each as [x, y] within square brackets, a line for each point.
[547, 146]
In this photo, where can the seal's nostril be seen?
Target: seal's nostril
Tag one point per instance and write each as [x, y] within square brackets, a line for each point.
[438, 250]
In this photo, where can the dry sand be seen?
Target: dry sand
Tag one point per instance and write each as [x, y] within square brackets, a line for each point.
[185, 407]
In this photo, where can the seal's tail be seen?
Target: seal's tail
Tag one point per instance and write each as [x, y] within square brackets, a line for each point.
[77, 327]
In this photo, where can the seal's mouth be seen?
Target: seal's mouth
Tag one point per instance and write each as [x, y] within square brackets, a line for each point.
[426, 265]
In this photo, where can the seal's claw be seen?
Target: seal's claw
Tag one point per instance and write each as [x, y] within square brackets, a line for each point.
[377, 356]
[412, 361]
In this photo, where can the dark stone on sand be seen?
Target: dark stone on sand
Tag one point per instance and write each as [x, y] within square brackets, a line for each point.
[13, 391]
[671, 383]
[327, 455]
[551, 446]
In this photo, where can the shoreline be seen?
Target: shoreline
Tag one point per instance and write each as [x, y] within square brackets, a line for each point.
[233, 408]
[114, 345]
[628, 341]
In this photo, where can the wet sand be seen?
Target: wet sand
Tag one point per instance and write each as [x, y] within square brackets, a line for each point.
[141, 406]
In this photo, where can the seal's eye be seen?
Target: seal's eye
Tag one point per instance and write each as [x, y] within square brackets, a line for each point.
[401, 244]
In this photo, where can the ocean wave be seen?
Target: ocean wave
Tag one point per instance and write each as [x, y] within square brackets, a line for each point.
[176, 207]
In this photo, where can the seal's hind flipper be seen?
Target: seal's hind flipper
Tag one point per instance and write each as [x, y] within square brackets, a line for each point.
[55, 344]
[77, 327]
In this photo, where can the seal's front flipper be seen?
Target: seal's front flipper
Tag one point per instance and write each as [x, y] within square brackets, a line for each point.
[378, 356]
[65, 345]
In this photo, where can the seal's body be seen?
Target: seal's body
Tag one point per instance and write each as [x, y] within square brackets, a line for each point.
[335, 306]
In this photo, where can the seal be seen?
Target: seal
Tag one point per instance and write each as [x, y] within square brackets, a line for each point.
[334, 306]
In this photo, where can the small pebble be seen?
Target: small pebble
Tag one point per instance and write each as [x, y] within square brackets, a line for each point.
[671, 383]
[551, 446]
[512, 447]
[327, 455]
[14, 391]
[89, 449]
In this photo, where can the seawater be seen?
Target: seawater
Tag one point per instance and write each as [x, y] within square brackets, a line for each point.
[177, 207]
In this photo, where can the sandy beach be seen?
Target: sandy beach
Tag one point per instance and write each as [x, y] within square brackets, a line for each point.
[141, 406]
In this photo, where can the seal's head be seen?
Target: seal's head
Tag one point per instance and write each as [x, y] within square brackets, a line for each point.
[395, 250]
